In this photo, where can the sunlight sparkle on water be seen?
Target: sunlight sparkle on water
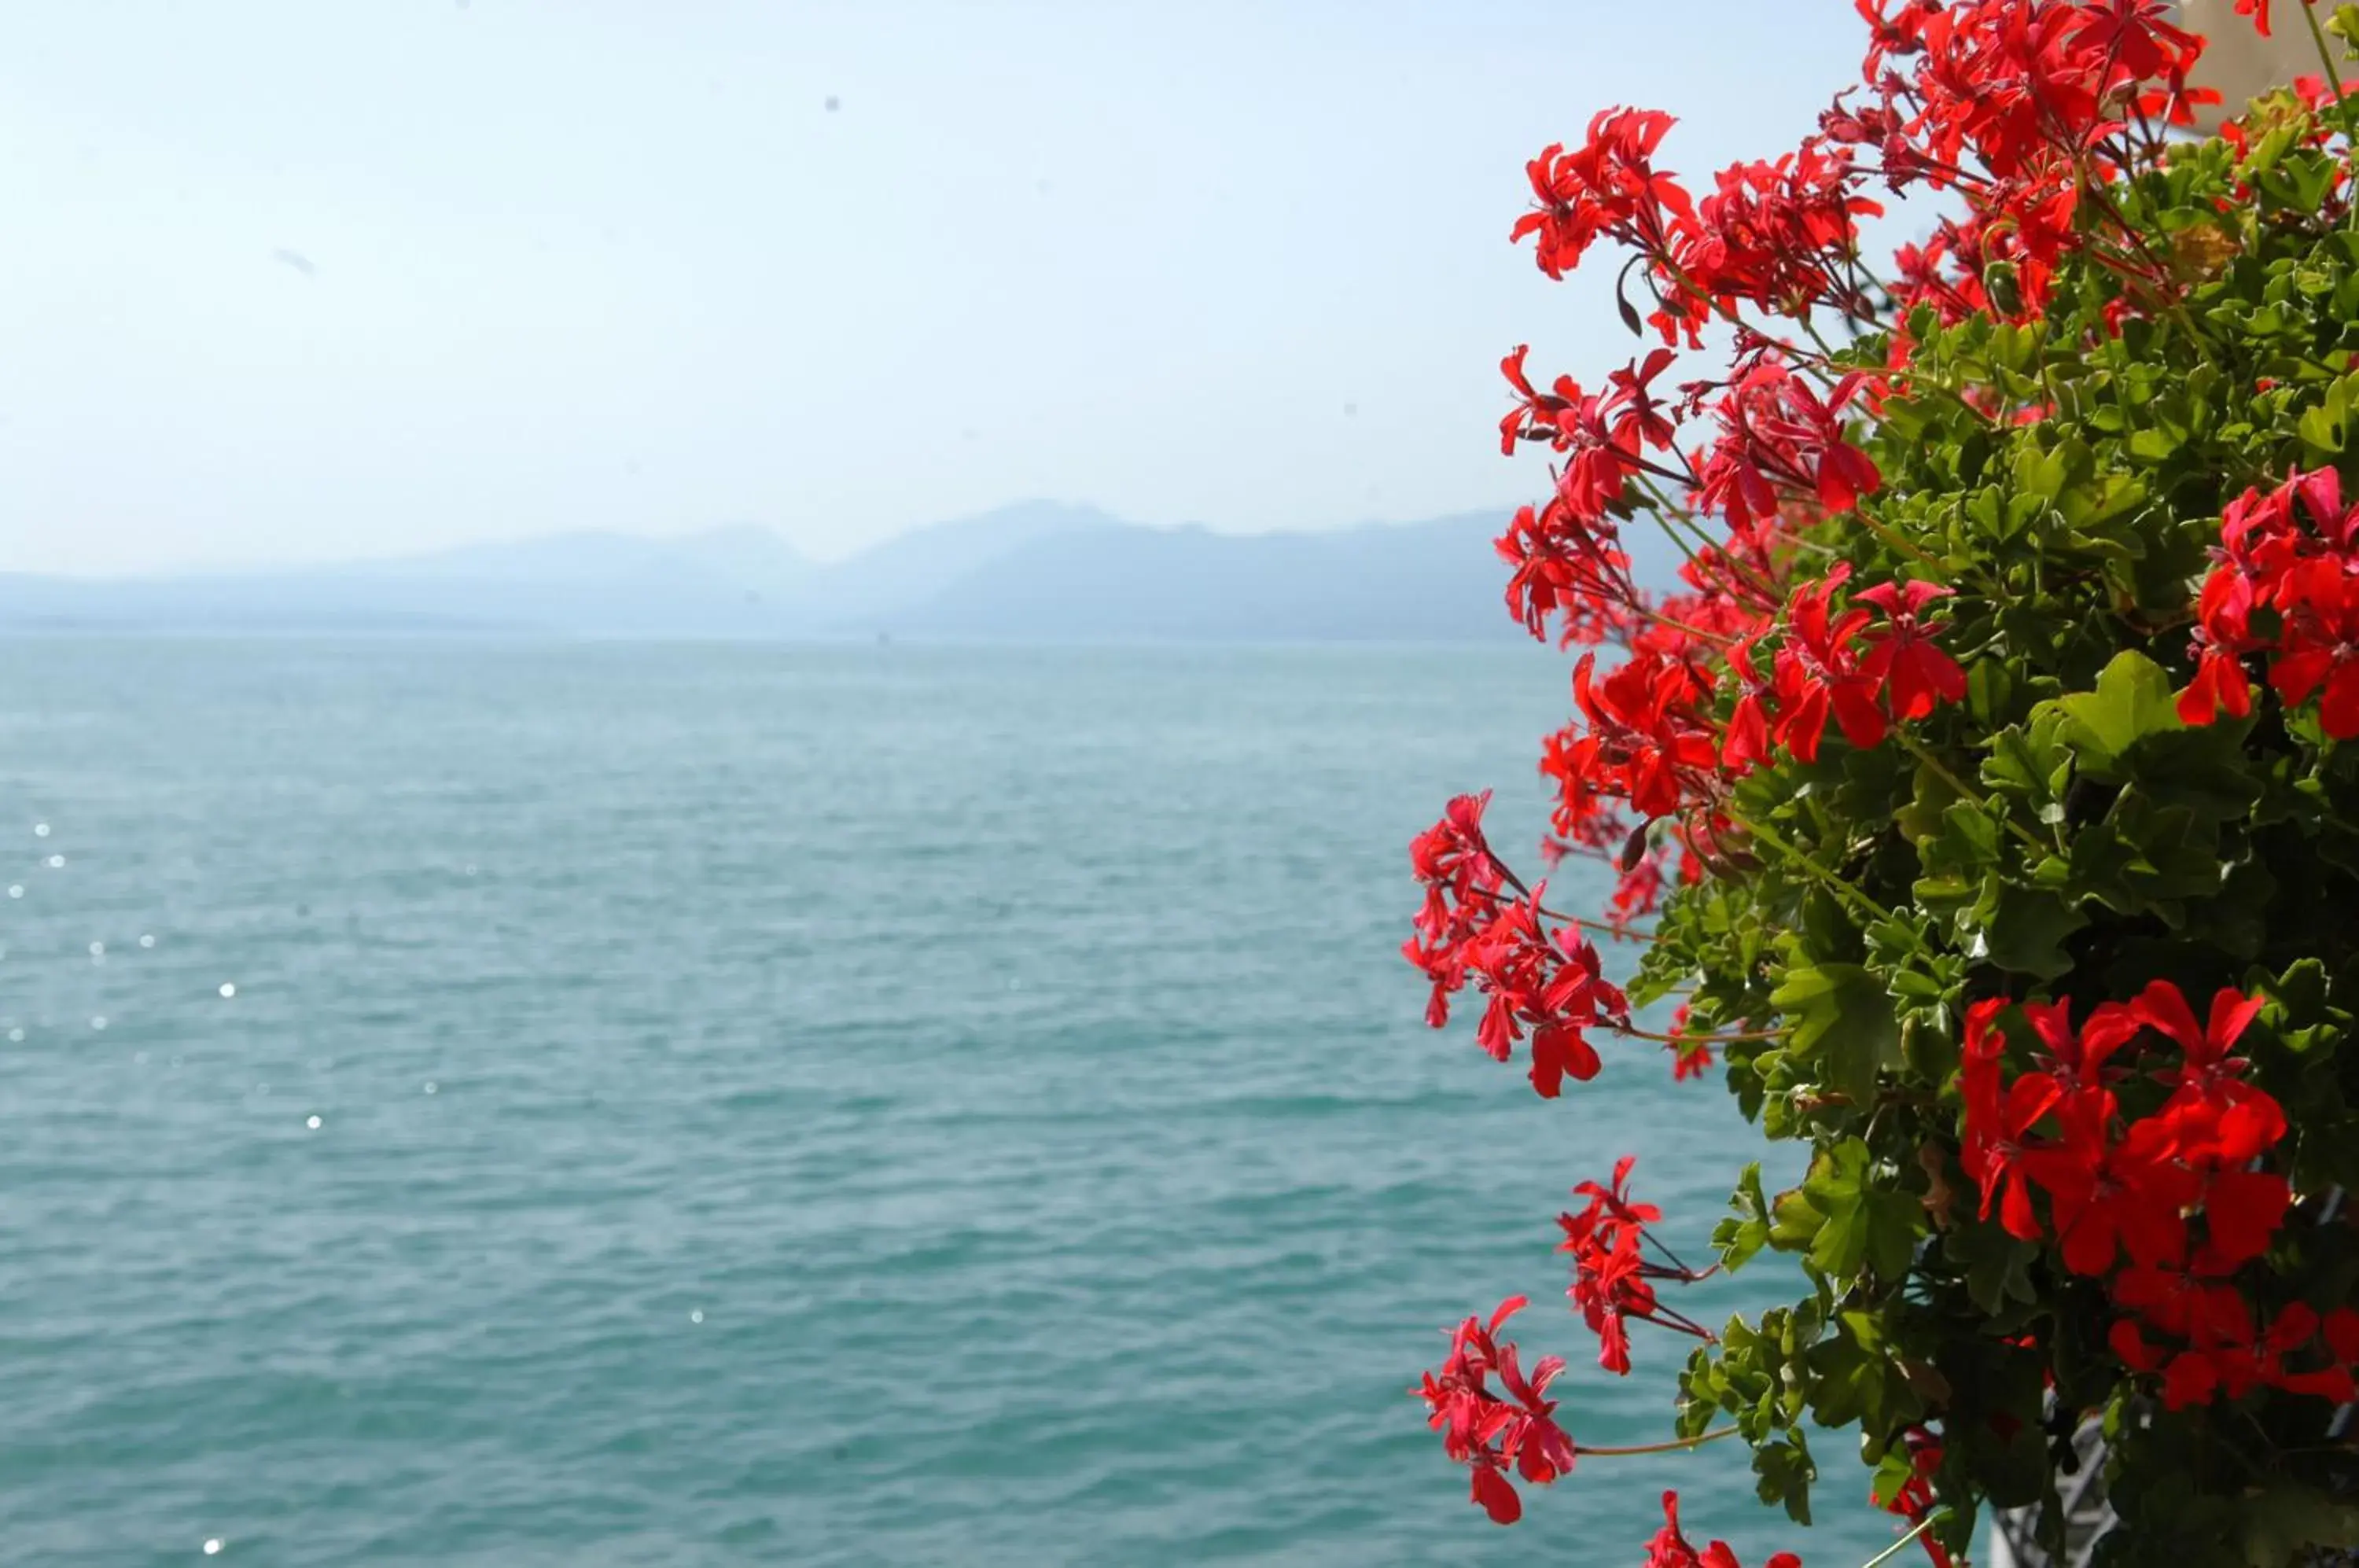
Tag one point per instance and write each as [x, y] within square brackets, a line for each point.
[56, 861]
[212, 1548]
[228, 988]
[311, 1122]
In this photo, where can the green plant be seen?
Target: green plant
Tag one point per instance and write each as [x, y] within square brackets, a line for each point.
[1989, 785]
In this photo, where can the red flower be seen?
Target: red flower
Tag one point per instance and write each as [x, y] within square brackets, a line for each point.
[1916, 1498]
[1689, 1058]
[1548, 983]
[1636, 413]
[2106, 1194]
[1817, 675]
[1671, 1548]
[2219, 685]
[2213, 1113]
[1613, 1283]
[2004, 1169]
[1999, 1120]
[1648, 740]
[1489, 1430]
[1608, 188]
[1570, 566]
[2266, 560]
[1778, 438]
[2184, 1300]
[2243, 1211]
[1914, 674]
[2230, 1354]
[2318, 649]
[1613, 1202]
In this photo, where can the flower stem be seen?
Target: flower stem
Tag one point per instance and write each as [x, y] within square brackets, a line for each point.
[1637, 1033]
[1904, 545]
[1941, 770]
[1889, 1553]
[2325, 54]
[1859, 901]
[1678, 1446]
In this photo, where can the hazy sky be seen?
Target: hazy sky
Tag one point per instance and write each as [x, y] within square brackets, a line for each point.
[294, 279]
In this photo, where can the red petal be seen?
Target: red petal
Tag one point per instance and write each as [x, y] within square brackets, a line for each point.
[1496, 1496]
[2231, 1011]
[2244, 1209]
[2191, 1381]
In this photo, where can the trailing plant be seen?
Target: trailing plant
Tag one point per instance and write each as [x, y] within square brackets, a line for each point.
[1985, 795]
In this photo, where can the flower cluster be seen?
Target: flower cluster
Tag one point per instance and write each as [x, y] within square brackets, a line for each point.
[1495, 1431]
[2119, 1184]
[1613, 1280]
[2115, 1182]
[1672, 1549]
[1916, 794]
[1537, 980]
[2289, 592]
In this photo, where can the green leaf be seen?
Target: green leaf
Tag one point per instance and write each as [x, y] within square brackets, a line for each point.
[1795, 1221]
[2321, 430]
[2030, 762]
[1738, 1239]
[2133, 700]
[1843, 1024]
[1859, 1223]
[2026, 932]
[2203, 769]
[1783, 1464]
[1996, 1266]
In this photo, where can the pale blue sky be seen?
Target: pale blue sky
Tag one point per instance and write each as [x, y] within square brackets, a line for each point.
[591, 263]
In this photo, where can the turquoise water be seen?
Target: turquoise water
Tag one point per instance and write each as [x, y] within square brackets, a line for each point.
[862, 1106]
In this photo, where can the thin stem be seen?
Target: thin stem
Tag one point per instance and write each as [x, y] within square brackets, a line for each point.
[2335, 80]
[1666, 517]
[1621, 933]
[1664, 1317]
[1716, 639]
[1676, 1261]
[1542, 910]
[1904, 545]
[1678, 1446]
[2325, 56]
[1635, 1032]
[1892, 1550]
[1841, 889]
[1939, 770]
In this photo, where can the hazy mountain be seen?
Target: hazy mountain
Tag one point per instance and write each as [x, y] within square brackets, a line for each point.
[1035, 571]
[909, 569]
[1414, 582]
[1440, 580]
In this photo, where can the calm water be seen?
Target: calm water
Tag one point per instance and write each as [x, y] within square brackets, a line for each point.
[858, 1107]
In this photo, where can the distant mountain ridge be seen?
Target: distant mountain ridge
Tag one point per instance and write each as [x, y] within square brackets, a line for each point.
[1035, 571]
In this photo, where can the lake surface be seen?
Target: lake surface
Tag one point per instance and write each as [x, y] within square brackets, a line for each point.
[710, 1105]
